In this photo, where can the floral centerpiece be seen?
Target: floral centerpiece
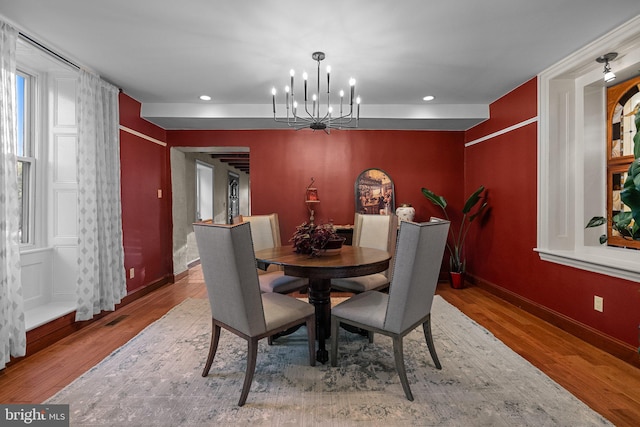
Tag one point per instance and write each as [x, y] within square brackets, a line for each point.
[314, 239]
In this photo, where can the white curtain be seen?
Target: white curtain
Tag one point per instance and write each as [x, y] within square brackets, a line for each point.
[101, 275]
[13, 340]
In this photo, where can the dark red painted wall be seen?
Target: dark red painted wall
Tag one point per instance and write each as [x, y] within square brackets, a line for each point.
[501, 250]
[146, 220]
[283, 162]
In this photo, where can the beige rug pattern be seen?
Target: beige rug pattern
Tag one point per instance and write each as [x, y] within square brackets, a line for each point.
[154, 380]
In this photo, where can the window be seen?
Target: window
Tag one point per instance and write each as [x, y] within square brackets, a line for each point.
[572, 157]
[621, 103]
[25, 153]
[46, 152]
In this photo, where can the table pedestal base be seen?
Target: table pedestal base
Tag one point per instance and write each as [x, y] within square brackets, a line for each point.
[320, 297]
[352, 261]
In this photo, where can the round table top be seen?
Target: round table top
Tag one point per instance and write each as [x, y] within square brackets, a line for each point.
[351, 261]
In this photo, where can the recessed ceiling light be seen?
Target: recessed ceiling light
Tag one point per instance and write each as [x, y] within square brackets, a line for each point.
[429, 98]
[205, 97]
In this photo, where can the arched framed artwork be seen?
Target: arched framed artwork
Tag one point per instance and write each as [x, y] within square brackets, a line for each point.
[374, 192]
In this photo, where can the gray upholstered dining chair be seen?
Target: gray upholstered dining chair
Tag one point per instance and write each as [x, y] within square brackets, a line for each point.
[228, 265]
[266, 234]
[371, 231]
[408, 304]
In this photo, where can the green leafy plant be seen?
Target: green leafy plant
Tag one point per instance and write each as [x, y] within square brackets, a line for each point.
[455, 242]
[313, 239]
[627, 223]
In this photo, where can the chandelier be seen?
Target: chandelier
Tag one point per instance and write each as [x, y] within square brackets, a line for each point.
[311, 116]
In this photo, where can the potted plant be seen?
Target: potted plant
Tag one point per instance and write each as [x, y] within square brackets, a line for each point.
[316, 240]
[455, 242]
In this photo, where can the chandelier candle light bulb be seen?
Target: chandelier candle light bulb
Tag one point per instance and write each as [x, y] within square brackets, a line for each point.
[292, 73]
[286, 91]
[328, 77]
[352, 83]
[273, 93]
[314, 98]
[305, 77]
[318, 117]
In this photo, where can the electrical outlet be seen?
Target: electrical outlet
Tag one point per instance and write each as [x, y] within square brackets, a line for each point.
[132, 273]
[598, 303]
[159, 193]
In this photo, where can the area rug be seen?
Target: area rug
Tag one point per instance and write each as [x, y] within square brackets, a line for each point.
[155, 380]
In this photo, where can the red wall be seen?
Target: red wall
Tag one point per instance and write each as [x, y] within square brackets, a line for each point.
[501, 253]
[146, 219]
[283, 162]
[500, 250]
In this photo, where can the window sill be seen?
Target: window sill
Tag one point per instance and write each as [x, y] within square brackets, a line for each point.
[45, 313]
[613, 262]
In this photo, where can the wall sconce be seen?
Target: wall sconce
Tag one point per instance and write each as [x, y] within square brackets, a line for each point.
[604, 59]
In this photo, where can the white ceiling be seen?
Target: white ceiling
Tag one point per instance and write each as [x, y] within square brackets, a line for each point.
[467, 53]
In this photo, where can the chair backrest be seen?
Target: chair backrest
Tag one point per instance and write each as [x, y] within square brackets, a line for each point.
[377, 232]
[418, 259]
[265, 230]
[229, 269]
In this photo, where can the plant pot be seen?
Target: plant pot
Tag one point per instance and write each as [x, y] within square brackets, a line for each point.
[456, 279]
[333, 247]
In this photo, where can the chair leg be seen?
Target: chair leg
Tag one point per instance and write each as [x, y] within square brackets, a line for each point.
[215, 338]
[402, 373]
[252, 356]
[311, 336]
[335, 324]
[426, 326]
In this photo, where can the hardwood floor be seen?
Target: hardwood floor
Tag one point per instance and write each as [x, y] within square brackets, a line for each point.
[605, 383]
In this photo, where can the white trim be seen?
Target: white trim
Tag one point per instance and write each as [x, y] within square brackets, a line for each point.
[623, 269]
[572, 156]
[502, 131]
[143, 136]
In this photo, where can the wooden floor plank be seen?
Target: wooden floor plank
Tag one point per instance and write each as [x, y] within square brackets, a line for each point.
[608, 385]
[605, 383]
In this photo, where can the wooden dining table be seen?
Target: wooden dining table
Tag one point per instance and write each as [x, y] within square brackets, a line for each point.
[351, 261]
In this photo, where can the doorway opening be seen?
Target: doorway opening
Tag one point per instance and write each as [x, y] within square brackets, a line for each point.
[201, 190]
[233, 192]
[204, 191]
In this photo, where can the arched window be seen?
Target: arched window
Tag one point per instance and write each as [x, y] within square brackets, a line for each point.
[622, 99]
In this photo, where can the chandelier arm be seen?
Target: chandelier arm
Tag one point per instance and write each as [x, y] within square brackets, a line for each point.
[313, 118]
[306, 109]
[349, 115]
[296, 126]
[303, 120]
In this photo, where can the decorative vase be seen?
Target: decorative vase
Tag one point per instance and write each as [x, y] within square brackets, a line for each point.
[406, 212]
[456, 279]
